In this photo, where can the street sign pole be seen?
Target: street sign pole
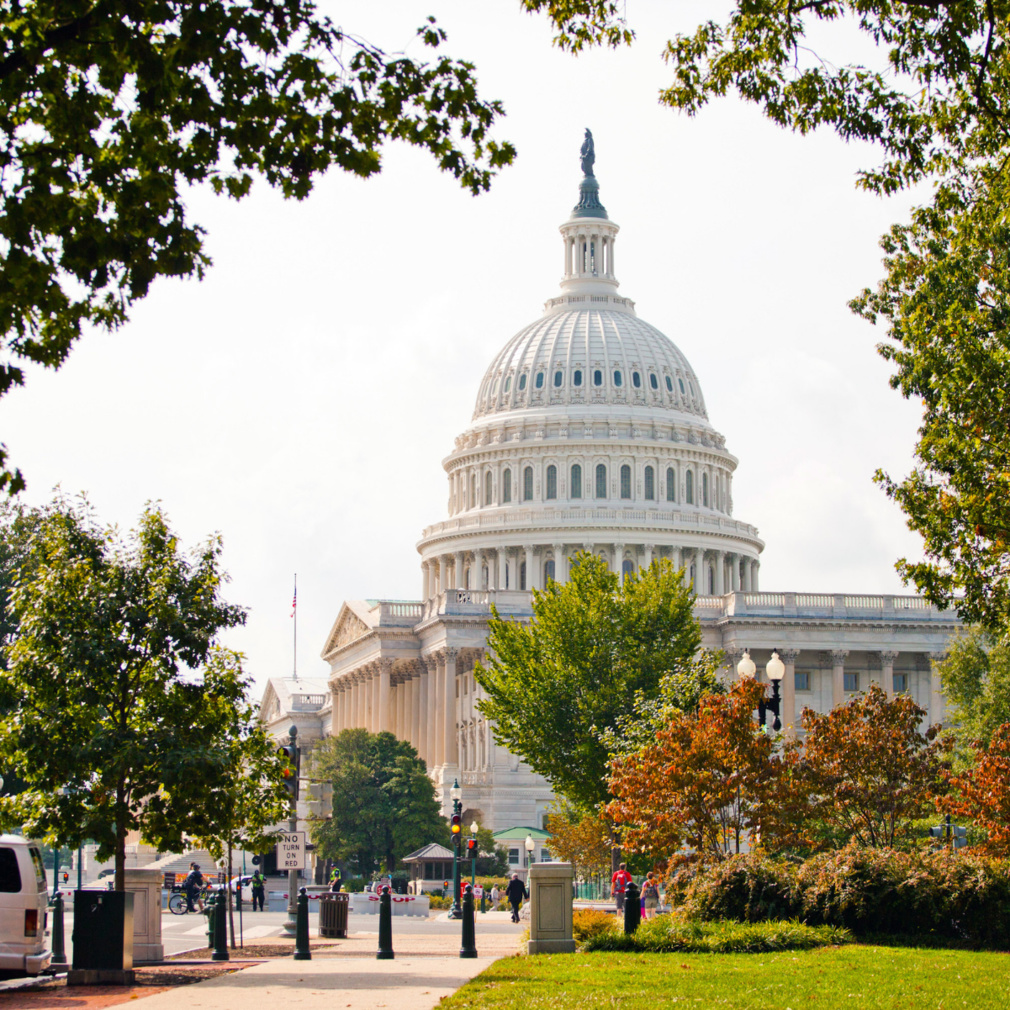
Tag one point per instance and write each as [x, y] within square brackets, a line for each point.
[291, 925]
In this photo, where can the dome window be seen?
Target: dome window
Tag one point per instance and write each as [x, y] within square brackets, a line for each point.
[691, 384]
[689, 480]
[627, 568]
[601, 480]
[576, 481]
[625, 481]
[704, 489]
[577, 377]
[508, 383]
[506, 486]
[552, 481]
[548, 571]
[528, 484]
[617, 378]
[636, 380]
[488, 487]
[539, 381]
[522, 382]
[597, 378]
[671, 484]
[653, 381]
[559, 377]
[669, 384]
[680, 382]
[650, 483]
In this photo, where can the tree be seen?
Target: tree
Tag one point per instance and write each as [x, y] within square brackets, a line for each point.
[493, 858]
[107, 720]
[383, 802]
[982, 793]
[556, 684]
[937, 104]
[976, 685]
[112, 109]
[708, 782]
[580, 838]
[872, 770]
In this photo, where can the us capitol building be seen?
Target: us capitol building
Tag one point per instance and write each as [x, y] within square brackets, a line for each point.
[589, 433]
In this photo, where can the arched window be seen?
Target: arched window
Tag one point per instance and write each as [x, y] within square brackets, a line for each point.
[669, 384]
[671, 484]
[576, 481]
[548, 571]
[597, 377]
[690, 488]
[711, 581]
[601, 480]
[539, 381]
[636, 380]
[473, 490]
[704, 489]
[650, 483]
[559, 377]
[577, 377]
[522, 382]
[680, 382]
[627, 568]
[552, 481]
[617, 378]
[483, 577]
[506, 486]
[487, 487]
[625, 481]
[653, 381]
[528, 484]
[508, 383]
[522, 576]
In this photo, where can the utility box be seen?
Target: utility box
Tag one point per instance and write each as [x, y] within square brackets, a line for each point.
[551, 894]
[145, 886]
[103, 938]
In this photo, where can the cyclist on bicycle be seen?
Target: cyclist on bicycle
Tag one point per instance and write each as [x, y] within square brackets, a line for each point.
[192, 886]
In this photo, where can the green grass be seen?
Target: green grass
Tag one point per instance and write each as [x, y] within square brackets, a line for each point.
[854, 976]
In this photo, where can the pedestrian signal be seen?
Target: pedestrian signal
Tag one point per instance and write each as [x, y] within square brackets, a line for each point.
[471, 848]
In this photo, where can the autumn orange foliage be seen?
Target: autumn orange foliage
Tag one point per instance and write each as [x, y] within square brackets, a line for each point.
[982, 793]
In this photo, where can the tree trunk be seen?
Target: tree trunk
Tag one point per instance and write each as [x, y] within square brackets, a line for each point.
[120, 876]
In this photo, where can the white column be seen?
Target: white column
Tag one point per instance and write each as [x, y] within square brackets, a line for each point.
[502, 562]
[618, 559]
[377, 701]
[426, 580]
[477, 578]
[754, 569]
[438, 720]
[458, 581]
[402, 725]
[838, 677]
[699, 576]
[426, 708]
[746, 585]
[361, 703]
[560, 575]
[887, 659]
[413, 713]
[382, 721]
[788, 656]
[532, 580]
[720, 573]
[449, 699]
[443, 573]
[937, 708]
[649, 548]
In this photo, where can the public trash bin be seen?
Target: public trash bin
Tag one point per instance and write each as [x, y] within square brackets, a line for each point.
[103, 931]
[333, 907]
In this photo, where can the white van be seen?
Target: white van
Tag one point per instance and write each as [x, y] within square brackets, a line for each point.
[24, 903]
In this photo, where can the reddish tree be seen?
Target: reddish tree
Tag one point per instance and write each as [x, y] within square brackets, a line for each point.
[982, 793]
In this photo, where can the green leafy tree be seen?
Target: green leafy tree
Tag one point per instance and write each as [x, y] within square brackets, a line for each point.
[934, 98]
[976, 685]
[493, 858]
[107, 719]
[593, 646]
[111, 110]
[383, 802]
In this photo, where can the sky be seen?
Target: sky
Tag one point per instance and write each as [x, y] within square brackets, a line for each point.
[300, 399]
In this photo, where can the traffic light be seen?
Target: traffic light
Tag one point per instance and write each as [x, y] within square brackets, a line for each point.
[455, 827]
[471, 848]
[289, 768]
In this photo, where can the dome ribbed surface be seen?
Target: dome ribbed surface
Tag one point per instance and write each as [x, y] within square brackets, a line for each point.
[612, 342]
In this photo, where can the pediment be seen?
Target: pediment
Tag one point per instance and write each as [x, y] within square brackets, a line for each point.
[347, 628]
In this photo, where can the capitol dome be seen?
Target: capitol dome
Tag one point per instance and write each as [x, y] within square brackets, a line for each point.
[589, 433]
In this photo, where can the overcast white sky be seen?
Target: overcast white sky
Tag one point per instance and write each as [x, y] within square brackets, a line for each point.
[301, 398]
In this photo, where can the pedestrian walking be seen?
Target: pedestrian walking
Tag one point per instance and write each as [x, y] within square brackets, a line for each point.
[619, 884]
[258, 889]
[650, 895]
[495, 895]
[515, 892]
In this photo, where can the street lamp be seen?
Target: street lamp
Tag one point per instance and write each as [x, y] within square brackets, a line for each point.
[530, 846]
[473, 854]
[456, 795]
[776, 670]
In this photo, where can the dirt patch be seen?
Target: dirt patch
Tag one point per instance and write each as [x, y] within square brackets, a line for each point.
[250, 950]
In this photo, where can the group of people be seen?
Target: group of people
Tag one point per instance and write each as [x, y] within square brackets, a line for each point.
[649, 895]
[194, 884]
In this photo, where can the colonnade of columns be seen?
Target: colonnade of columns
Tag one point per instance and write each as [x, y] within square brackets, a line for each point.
[429, 702]
[710, 571]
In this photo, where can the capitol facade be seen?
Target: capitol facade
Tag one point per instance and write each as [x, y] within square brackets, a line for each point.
[589, 433]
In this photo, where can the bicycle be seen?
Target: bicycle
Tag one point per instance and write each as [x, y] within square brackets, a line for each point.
[178, 905]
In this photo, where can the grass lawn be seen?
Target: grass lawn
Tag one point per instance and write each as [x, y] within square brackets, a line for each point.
[851, 976]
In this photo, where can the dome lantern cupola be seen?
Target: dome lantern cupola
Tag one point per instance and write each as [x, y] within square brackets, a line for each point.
[589, 236]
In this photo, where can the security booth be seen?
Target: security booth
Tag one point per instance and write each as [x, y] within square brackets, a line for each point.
[430, 867]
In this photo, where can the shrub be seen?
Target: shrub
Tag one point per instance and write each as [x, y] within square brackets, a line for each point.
[354, 885]
[750, 888]
[438, 901]
[588, 922]
[667, 934]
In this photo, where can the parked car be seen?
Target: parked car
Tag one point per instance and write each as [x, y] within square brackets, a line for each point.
[245, 881]
[24, 908]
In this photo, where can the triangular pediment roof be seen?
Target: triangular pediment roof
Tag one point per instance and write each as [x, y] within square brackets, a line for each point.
[355, 620]
[431, 851]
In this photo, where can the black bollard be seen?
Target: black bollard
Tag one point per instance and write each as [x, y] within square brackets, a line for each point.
[302, 951]
[469, 947]
[385, 952]
[220, 920]
[632, 907]
[59, 939]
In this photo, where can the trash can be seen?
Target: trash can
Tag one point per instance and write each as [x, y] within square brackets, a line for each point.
[103, 930]
[333, 907]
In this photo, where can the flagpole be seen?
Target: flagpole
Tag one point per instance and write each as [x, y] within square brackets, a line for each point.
[294, 614]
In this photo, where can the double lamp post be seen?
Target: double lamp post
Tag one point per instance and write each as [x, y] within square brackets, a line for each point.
[776, 670]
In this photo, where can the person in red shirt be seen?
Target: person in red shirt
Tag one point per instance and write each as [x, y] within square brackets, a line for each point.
[619, 884]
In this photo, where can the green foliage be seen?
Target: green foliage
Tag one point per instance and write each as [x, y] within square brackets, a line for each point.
[976, 685]
[870, 891]
[667, 934]
[383, 802]
[555, 685]
[105, 719]
[582, 23]
[113, 110]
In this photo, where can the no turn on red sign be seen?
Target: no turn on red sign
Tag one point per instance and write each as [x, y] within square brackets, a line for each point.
[291, 851]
